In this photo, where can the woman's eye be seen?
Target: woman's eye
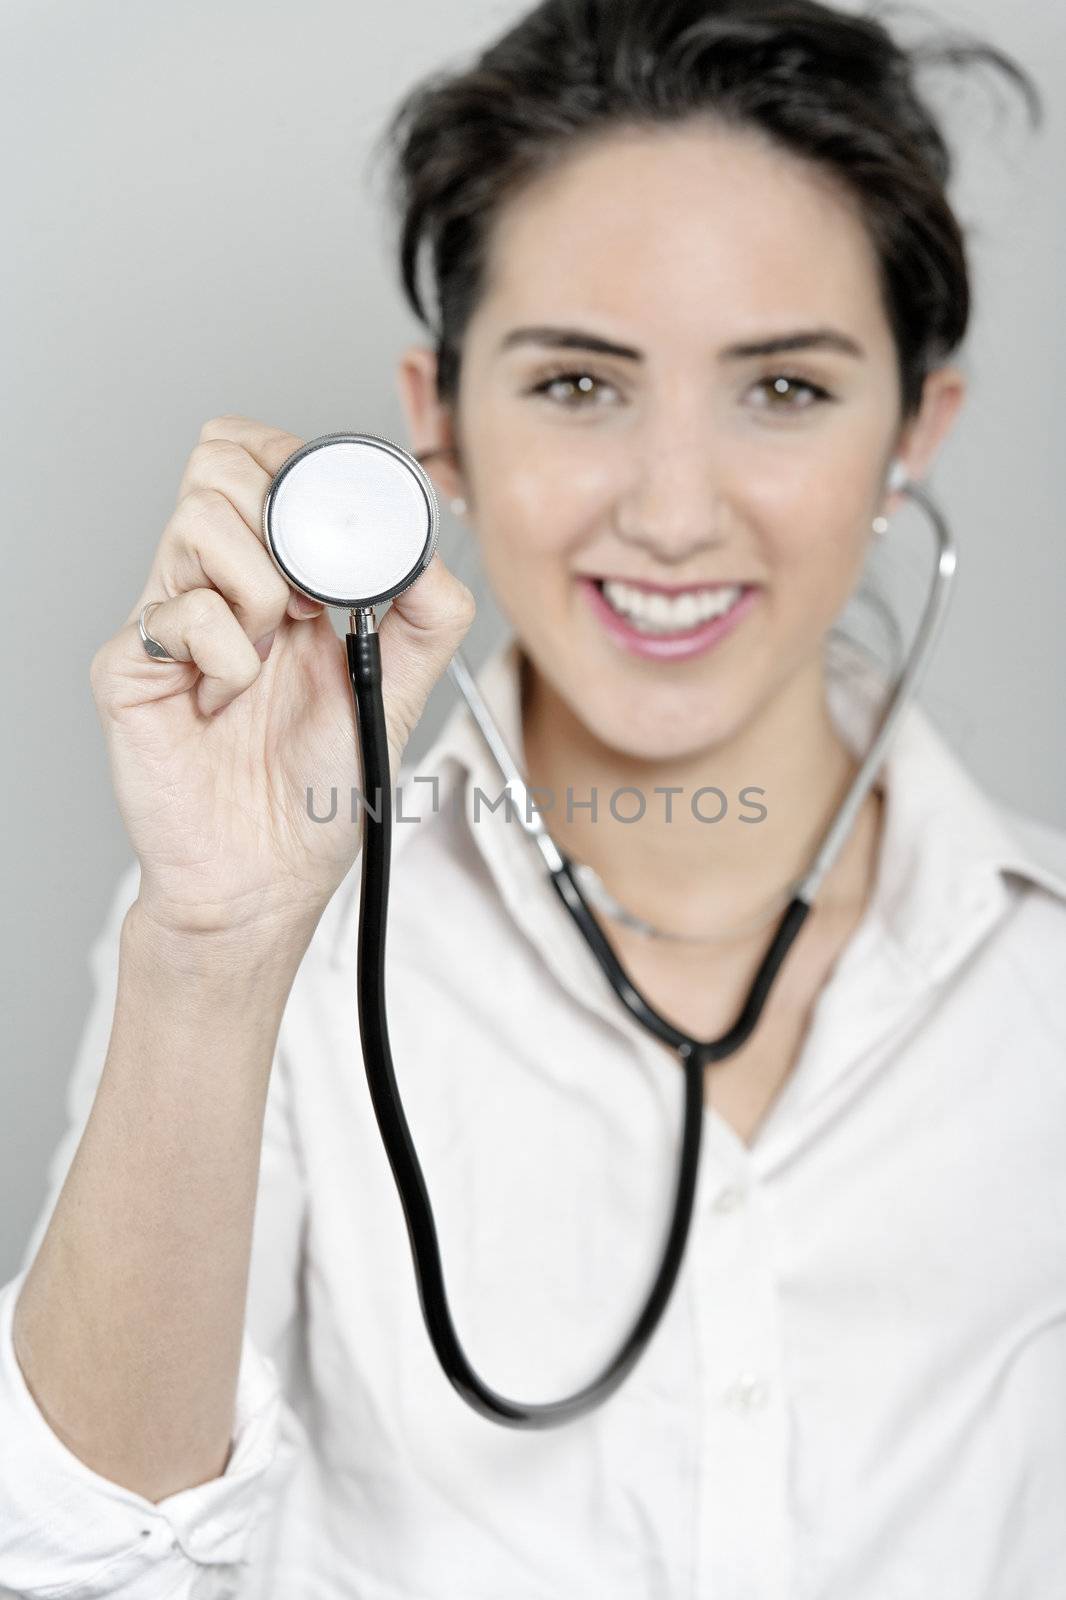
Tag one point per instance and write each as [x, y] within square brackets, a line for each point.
[583, 390]
[574, 390]
[778, 388]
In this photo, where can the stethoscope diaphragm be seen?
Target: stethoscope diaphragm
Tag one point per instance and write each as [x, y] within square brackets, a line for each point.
[351, 520]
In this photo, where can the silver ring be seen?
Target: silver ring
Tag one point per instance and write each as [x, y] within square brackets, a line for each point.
[157, 651]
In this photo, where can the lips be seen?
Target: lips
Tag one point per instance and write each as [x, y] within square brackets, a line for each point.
[681, 645]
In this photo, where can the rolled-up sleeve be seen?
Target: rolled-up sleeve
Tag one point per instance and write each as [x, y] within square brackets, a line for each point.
[66, 1532]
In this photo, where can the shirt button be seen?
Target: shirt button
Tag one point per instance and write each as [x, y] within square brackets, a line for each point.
[746, 1393]
[728, 1198]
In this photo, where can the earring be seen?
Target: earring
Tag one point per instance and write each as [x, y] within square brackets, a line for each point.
[458, 506]
[898, 478]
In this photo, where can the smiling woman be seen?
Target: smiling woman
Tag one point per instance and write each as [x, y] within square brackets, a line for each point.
[692, 309]
[698, 287]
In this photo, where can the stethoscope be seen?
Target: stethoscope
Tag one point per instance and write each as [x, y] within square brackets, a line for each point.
[352, 520]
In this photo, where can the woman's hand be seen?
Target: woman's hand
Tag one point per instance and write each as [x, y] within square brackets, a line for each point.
[212, 755]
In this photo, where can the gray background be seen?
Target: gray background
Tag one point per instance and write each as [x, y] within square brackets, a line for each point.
[192, 229]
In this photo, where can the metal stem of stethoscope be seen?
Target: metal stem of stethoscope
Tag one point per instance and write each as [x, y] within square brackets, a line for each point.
[365, 675]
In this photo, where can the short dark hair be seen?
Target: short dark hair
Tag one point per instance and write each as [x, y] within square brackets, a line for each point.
[831, 86]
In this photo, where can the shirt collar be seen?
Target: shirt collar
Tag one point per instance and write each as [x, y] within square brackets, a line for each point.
[946, 847]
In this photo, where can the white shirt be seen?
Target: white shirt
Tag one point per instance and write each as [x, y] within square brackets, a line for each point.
[859, 1386]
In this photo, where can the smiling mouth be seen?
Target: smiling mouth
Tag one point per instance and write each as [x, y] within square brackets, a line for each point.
[652, 608]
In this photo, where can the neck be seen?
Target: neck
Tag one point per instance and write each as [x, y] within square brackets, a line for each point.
[688, 873]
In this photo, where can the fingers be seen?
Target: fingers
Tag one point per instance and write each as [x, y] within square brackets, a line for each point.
[240, 457]
[224, 465]
[195, 627]
[215, 535]
[206, 543]
[220, 595]
[270, 447]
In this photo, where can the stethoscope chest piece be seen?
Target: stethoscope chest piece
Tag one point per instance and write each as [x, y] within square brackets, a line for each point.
[351, 519]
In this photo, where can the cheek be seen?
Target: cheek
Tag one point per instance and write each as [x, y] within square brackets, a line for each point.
[814, 513]
[814, 569]
[535, 514]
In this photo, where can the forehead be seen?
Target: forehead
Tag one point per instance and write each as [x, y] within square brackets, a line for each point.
[667, 225]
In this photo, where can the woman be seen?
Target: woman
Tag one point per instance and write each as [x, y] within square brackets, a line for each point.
[699, 285]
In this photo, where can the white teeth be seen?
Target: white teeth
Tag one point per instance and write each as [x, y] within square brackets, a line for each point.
[659, 613]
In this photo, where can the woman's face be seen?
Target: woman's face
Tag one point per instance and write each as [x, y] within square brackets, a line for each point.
[676, 460]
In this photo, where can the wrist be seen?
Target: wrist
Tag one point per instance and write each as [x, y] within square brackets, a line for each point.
[266, 948]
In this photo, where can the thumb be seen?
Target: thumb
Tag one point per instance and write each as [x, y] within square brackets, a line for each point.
[418, 635]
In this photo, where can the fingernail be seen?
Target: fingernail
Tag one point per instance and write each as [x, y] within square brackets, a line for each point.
[262, 646]
[300, 606]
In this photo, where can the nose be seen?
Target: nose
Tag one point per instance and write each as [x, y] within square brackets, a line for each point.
[671, 503]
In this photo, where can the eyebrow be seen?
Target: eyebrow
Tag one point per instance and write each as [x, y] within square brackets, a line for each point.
[578, 339]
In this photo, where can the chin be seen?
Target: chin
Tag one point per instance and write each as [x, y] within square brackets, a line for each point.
[645, 734]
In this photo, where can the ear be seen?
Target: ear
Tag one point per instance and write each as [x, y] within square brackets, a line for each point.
[943, 392]
[429, 422]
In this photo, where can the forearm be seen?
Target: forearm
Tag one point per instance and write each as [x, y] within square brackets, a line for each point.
[129, 1324]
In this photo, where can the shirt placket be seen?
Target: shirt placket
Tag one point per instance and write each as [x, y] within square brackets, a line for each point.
[744, 1537]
